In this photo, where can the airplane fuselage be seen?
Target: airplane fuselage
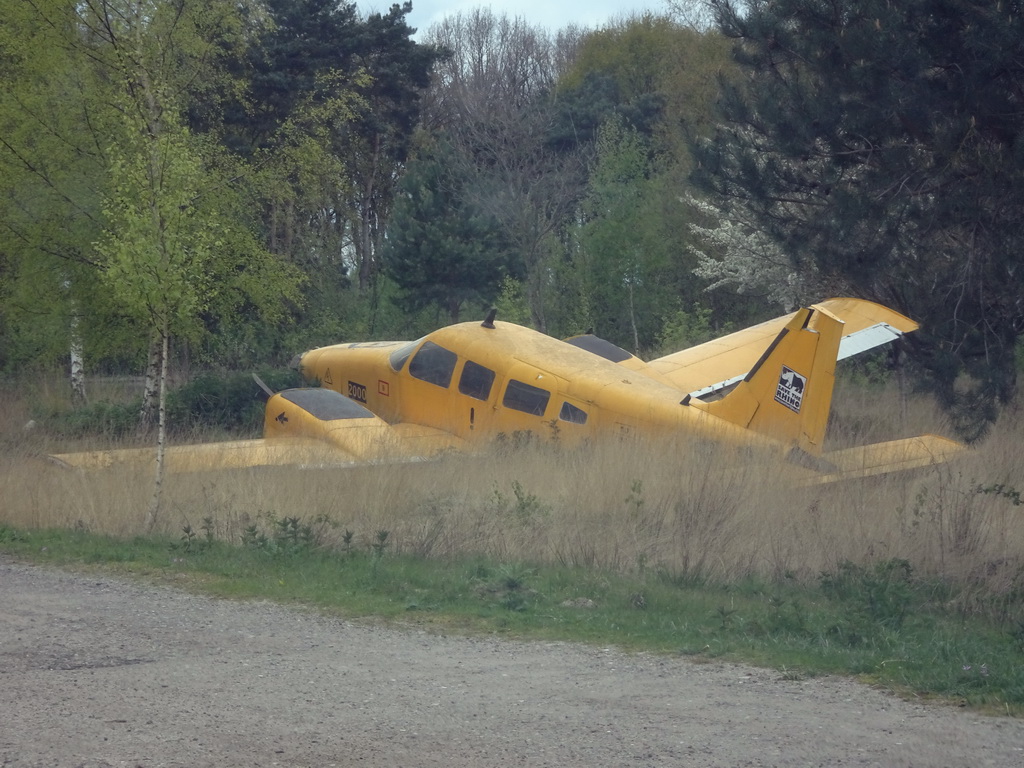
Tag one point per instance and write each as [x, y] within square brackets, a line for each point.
[483, 383]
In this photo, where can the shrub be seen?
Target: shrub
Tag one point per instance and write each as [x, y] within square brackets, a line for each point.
[225, 401]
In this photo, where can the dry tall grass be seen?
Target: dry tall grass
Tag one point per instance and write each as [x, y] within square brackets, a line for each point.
[692, 509]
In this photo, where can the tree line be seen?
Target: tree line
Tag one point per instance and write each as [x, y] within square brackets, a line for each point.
[227, 183]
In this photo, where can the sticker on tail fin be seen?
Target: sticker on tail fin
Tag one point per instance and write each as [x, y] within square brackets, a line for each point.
[790, 391]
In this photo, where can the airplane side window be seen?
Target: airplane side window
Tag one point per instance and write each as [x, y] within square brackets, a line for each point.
[526, 397]
[572, 414]
[399, 356]
[433, 364]
[476, 380]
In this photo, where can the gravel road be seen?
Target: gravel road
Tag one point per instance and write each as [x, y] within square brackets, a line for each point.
[97, 672]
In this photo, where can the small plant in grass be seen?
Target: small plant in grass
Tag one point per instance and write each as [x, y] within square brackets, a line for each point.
[786, 616]
[1017, 635]
[190, 541]
[635, 499]
[512, 580]
[724, 617]
[377, 548]
[514, 601]
[292, 535]
[380, 544]
[880, 596]
[209, 529]
[254, 538]
[507, 586]
[527, 508]
[11, 535]
[346, 542]
[188, 538]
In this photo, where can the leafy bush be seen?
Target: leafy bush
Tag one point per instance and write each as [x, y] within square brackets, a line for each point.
[881, 594]
[110, 420]
[226, 401]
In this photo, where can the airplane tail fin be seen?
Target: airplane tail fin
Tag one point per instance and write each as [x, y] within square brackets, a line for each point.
[787, 395]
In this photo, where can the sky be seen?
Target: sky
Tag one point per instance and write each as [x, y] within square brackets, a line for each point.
[552, 14]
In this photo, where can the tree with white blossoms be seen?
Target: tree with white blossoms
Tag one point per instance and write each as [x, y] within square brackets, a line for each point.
[735, 254]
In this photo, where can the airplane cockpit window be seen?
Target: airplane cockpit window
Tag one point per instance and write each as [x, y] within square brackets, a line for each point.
[572, 414]
[399, 356]
[526, 397]
[433, 364]
[476, 380]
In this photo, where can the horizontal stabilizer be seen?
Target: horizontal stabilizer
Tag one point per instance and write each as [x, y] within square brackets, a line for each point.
[715, 365]
[883, 458]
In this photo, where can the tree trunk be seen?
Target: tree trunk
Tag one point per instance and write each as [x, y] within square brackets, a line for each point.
[161, 435]
[632, 320]
[454, 310]
[901, 381]
[151, 388]
[78, 397]
[365, 241]
[76, 350]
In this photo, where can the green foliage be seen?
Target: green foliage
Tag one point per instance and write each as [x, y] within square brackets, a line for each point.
[682, 329]
[118, 206]
[228, 401]
[226, 177]
[289, 536]
[525, 508]
[879, 596]
[51, 185]
[111, 421]
[633, 267]
[876, 142]
[511, 302]
[658, 76]
[331, 108]
[220, 401]
[1004, 491]
[443, 250]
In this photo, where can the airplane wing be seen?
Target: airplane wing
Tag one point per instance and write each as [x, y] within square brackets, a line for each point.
[232, 454]
[306, 427]
[715, 365]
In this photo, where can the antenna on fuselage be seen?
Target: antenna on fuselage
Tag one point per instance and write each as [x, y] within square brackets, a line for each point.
[489, 320]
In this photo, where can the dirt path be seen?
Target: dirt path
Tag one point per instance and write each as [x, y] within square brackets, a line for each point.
[96, 672]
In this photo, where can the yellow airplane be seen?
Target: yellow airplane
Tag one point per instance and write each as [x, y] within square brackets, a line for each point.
[472, 383]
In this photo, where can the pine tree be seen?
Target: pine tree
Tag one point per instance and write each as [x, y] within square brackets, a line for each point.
[442, 249]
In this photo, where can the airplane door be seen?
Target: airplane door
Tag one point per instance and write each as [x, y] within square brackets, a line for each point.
[473, 400]
[427, 389]
[528, 402]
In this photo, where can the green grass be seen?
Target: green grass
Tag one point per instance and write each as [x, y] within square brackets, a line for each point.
[878, 623]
